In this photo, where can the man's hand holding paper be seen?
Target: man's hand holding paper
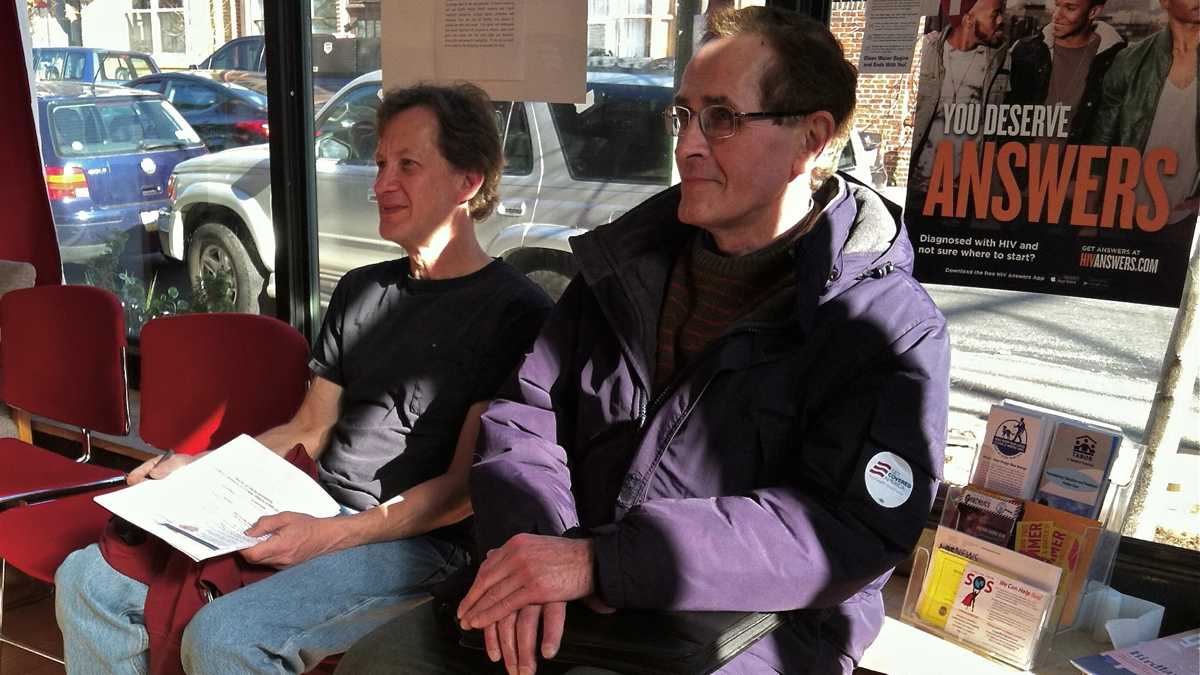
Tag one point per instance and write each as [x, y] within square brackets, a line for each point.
[290, 539]
[206, 507]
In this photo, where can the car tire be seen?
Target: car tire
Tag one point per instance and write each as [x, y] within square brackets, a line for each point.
[551, 270]
[214, 247]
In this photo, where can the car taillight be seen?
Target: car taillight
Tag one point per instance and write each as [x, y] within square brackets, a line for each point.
[258, 128]
[171, 187]
[66, 182]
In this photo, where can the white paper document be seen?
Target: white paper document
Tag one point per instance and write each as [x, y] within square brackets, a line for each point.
[890, 36]
[204, 508]
[516, 50]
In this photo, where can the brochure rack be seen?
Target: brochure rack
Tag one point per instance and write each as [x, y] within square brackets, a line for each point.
[1040, 638]
[1115, 505]
[1035, 640]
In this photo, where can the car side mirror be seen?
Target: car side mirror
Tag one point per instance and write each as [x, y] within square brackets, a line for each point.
[329, 147]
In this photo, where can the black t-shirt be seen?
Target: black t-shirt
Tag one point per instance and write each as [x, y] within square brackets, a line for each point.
[411, 355]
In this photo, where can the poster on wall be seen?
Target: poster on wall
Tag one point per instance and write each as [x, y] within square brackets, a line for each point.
[1055, 147]
[516, 50]
[888, 35]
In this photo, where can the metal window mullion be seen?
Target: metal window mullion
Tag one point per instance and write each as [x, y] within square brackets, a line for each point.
[288, 27]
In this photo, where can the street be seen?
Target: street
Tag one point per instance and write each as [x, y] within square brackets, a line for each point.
[1093, 358]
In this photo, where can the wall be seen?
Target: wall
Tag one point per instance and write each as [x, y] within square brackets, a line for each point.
[885, 102]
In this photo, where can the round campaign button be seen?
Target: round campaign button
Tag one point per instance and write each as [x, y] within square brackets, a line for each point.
[889, 479]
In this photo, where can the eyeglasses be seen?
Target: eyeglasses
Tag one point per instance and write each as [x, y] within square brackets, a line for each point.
[717, 121]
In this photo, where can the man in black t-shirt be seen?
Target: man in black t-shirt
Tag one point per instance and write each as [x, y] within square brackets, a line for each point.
[408, 356]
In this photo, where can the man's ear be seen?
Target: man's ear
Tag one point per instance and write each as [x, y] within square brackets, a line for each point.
[813, 136]
[1094, 12]
[469, 185]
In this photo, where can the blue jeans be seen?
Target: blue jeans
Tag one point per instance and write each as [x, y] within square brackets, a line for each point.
[286, 623]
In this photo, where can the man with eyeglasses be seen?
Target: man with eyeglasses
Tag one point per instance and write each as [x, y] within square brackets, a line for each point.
[738, 404]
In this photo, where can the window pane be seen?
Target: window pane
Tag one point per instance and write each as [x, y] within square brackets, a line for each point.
[633, 38]
[346, 130]
[1068, 376]
[191, 97]
[76, 66]
[107, 211]
[567, 167]
[518, 145]
[172, 32]
[620, 137]
[115, 68]
[140, 66]
[141, 35]
[224, 59]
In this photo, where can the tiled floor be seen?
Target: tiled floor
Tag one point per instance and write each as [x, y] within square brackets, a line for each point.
[29, 618]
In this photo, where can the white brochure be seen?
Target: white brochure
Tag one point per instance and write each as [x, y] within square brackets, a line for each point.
[999, 613]
[204, 508]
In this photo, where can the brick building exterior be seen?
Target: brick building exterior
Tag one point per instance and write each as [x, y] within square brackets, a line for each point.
[885, 102]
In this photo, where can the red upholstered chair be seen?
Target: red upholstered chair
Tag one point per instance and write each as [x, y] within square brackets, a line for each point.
[63, 357]
[206, 378]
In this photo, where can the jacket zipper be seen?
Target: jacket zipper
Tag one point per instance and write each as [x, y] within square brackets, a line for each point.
[665, 393]
[680, 375]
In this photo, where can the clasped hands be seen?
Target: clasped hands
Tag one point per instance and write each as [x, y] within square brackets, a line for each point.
[529, 580]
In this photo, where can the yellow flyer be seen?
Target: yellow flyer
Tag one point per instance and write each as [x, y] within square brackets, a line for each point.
[941, 584]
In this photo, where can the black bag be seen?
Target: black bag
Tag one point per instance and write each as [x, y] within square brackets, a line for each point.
[637, 642]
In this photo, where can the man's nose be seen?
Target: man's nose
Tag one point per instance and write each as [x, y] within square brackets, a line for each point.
[691, 140]
[383, 180]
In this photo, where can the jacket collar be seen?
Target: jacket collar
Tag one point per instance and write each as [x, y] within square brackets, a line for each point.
[1109, 37]
[627, 263]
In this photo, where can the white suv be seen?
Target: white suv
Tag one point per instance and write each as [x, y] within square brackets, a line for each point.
[568, 168]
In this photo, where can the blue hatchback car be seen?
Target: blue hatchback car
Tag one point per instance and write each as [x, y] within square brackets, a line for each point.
[91, 64]
[108, 152]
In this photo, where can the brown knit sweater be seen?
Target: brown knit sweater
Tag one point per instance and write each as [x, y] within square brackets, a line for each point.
[709, 292]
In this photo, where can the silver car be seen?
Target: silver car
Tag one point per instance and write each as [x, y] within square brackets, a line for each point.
[568, 168]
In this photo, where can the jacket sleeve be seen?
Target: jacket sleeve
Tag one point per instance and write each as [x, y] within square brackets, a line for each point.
[521, 475]
[805, 542]
[1106, 125]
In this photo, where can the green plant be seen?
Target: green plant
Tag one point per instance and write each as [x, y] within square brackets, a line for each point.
[213, 292]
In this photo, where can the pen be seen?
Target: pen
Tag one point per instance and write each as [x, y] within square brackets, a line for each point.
[161, 458]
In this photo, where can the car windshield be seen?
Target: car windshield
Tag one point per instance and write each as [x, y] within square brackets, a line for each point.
[117, 126]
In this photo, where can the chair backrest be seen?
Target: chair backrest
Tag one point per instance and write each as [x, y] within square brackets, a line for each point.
[63, 356]
[207, 378]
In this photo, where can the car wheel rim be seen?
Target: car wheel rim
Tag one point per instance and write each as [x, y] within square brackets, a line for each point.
[215, 260]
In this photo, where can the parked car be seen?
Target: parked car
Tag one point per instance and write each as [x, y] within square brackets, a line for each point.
[228, 108]
[91, 64]
[108, 153]
[568, 168]
[335, 60]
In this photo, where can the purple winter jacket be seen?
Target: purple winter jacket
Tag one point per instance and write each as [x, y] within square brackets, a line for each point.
[788, 467]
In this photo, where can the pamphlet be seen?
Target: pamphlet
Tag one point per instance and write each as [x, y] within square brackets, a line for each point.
[1070, 544]
[1174, 655]
[1028, 570]
[1014, 447]
[988, 516]
[1077, 467]
[999, 613]
[946, 570]
[204, 508]
[1033, 538]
